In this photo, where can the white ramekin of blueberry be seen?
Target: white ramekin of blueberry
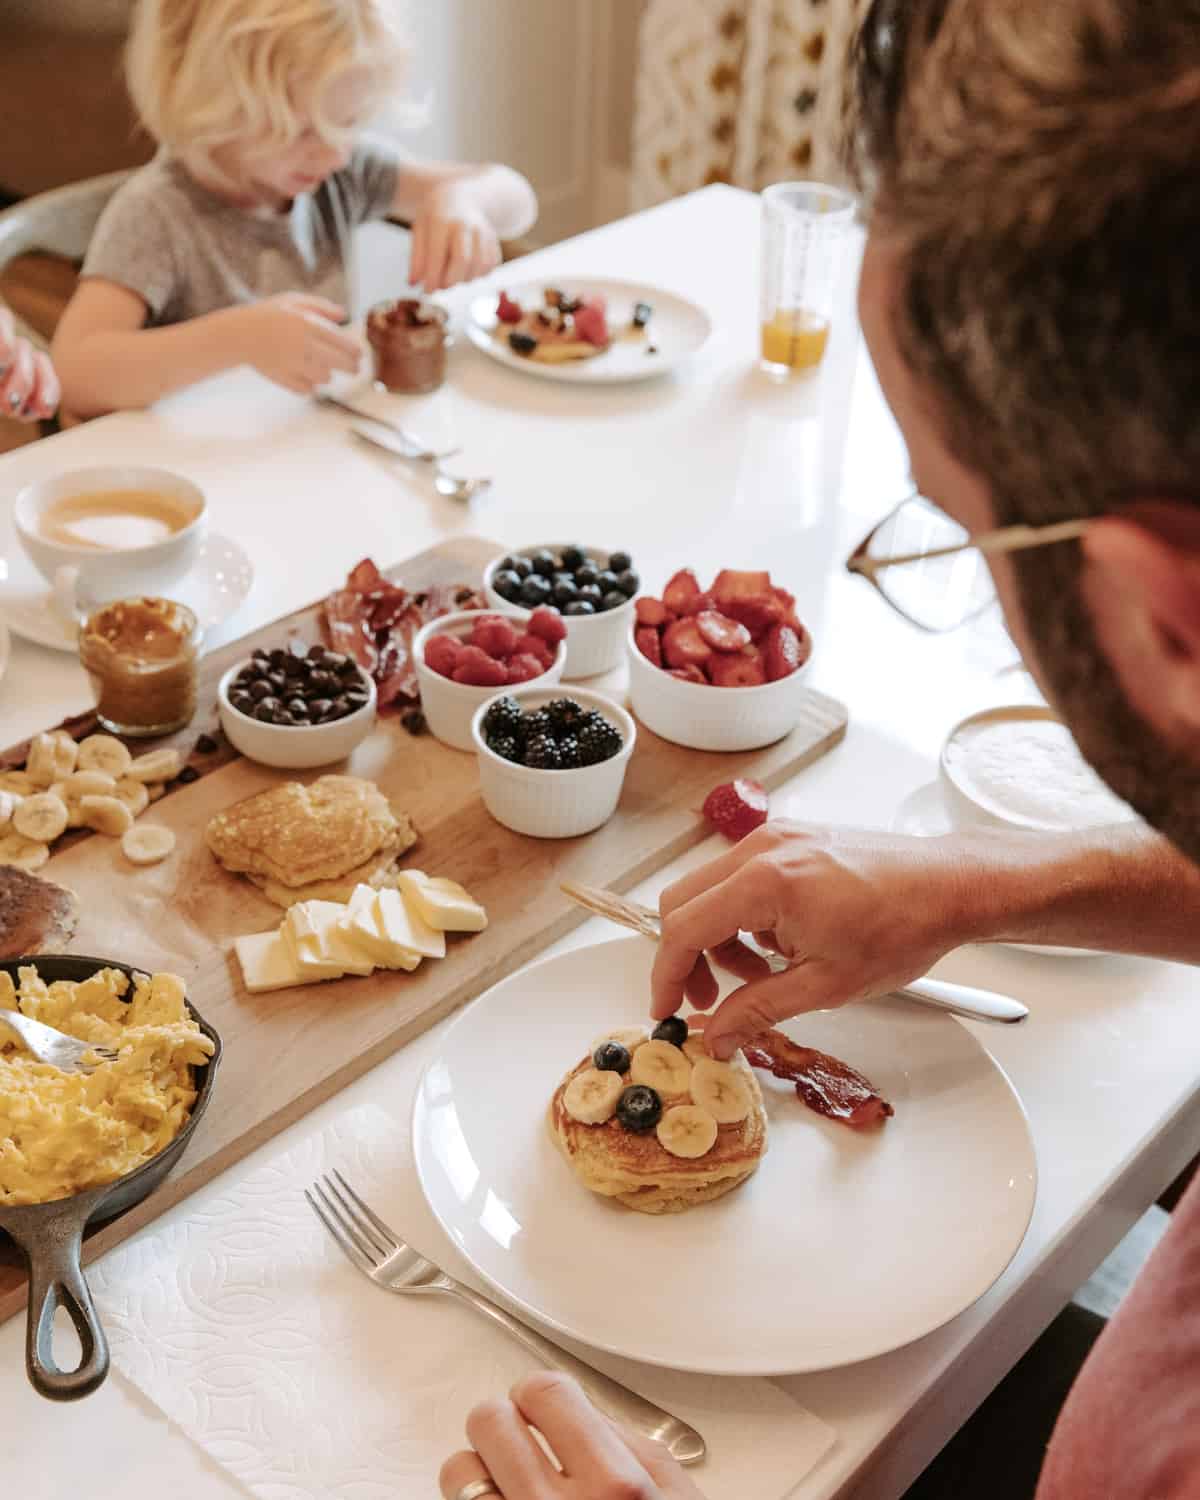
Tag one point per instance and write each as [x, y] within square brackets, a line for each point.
[591, 588]
[552, 766]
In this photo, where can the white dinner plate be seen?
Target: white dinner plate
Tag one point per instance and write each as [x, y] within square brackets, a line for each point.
[842, 1245]
[677, 329]
[216, 586]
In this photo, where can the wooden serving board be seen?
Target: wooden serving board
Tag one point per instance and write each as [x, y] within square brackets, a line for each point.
[286, 1052]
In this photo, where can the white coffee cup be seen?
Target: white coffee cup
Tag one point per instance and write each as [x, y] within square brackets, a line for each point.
[84, 575]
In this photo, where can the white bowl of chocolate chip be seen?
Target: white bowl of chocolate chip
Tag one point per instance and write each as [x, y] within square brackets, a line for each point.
[296, 706]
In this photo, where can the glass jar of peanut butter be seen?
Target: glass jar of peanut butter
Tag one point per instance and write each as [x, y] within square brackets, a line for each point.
[408, 338]
[142, 658]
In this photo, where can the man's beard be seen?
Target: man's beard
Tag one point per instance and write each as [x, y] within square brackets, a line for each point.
[1159, 781]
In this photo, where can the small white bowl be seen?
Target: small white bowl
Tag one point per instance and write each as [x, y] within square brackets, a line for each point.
[703, 717]
[293, 747]
[450, 706]
[553, 804]
[593, 641]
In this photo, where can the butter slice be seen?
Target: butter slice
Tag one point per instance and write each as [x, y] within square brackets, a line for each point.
[407, 928]
[303, 938]
[267, 963]
[319, 943]
[366, 931]
[441, 903]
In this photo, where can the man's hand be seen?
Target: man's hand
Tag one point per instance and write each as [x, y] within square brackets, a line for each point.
[452, 239]
[293, 339]
[855, 914]
[599, 1460]
[28, 385]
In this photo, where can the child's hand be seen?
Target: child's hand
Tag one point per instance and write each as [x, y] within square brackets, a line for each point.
[293, 339]
[452, 239]
[28, 385]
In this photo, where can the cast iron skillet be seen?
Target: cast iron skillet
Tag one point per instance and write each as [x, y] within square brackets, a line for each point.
[51, 1234]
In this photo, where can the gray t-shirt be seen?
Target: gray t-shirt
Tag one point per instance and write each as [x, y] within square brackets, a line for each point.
[186, 251]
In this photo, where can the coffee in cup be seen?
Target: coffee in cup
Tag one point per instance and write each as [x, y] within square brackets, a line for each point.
[114, 520]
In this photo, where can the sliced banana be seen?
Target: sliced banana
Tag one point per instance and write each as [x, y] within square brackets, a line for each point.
[591, 1096]
[41, 818]
[41, 765]
[687, 1130]
[133, 794]
[19, 782]
[155, 789]
[90, 784]
[721, 1089]
[630, 1037]
[106, 815]
[662, 1067]
[9, 802]
[147, 843]
[66, 752]
[694, 1048]
[156, 765]
[101, 752]
[26, 854]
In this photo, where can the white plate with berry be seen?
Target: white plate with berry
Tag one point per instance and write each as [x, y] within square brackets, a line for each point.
[843, 1245]
[588, 331]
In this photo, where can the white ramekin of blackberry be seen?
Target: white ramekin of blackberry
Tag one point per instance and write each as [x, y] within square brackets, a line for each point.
[592, 589]
[552, 764]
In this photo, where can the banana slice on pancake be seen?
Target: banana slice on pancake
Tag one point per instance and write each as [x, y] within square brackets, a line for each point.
[662, 1067]
[721, 1090]
[591, 1096]
[688, 1131]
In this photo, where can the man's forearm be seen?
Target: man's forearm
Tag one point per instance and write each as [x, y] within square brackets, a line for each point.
[1122, 889]
[109, 371]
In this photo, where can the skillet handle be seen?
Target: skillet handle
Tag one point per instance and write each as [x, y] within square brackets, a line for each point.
[56, 1279]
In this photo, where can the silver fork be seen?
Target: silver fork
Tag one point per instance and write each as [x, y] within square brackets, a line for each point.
[383, 1257]
[63, 1052]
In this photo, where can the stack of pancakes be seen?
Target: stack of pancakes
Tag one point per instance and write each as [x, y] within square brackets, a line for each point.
[637, 1170]
[315, 842]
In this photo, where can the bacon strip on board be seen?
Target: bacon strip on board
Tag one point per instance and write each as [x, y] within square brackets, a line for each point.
[827, 1085]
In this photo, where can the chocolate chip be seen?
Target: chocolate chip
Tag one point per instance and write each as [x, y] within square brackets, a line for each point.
[322, 682]
[205, 745]
[316, 652]
[414, 721]
[278, 658]
[319, 708]
[244, 704]
[267, 708]
[281, 716]
[188, 775]
[261, 657]
[297, 708]
[341, 707]
[260, 689]
[278, 681]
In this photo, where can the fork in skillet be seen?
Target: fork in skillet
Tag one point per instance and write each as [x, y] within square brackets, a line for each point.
[54, 1047]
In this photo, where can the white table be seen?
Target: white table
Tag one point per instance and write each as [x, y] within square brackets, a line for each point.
[716, 467]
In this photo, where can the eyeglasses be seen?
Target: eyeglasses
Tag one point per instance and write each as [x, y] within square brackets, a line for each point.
[935, 572]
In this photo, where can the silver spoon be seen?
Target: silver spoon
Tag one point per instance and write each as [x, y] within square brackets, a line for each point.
[452, 486]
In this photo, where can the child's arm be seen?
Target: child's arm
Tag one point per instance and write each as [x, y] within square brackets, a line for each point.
[459, 215]
[107, 360]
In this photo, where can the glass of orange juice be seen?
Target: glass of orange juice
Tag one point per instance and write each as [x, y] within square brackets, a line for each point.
[805, 234]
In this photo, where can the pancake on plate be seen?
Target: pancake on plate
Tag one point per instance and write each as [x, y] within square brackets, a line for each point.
[315, 842]
[658, 1124]
[561, 330]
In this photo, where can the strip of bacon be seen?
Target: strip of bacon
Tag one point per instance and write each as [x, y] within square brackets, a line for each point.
[827, 1085]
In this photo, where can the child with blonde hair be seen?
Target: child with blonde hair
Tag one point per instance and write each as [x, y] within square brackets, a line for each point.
[231, 246]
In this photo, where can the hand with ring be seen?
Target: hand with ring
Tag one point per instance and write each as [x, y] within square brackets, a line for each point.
[597, 1459]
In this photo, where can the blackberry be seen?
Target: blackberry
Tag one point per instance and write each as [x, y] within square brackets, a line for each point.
[570, 757]
[597, 742]
[503, 717]
[541, 752]
[537, 724]
[564, 715]
[507, 746]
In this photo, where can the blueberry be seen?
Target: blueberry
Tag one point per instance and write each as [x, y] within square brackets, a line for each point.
[613, 599]
[507, 583]
[590, 593]
[543, 562]
[628, 582]
[606, 579]
[639, 1109]
[573, 557]
[565, 593]
[611, 1057]
[521, 566]
[674, 1030]
[536, 590]
[579, 607]
[619, 561]
[522, 343]
[586, 573]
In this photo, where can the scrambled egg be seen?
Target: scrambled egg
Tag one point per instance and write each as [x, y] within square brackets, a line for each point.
[63, 1132]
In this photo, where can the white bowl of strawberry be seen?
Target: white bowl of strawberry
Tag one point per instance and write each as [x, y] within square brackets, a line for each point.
[718, 668]
[463, 659]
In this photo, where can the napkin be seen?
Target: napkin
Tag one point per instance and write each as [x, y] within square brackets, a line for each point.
[243, 1321]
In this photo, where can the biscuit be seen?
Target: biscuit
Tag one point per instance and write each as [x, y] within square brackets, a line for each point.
[36, 916]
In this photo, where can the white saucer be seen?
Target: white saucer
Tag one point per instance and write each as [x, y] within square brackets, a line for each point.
[215, 587]
[927, 813]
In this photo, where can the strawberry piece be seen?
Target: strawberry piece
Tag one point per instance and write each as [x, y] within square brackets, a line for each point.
[651, 611]
[689, 674]
[684, 646]
[758, 614]
[495, 636]
[548, 624]
[742, 670]
[736, 808]
[477, 669]
[788, 604]
[507, 310]
[523, 667]
[731, 584]
[533, 645]
[784, 652]
[596, 300]
[649, 644]
[722, 633]
[442, 653]
[680, 591]
[592, 326]
[699, 604]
